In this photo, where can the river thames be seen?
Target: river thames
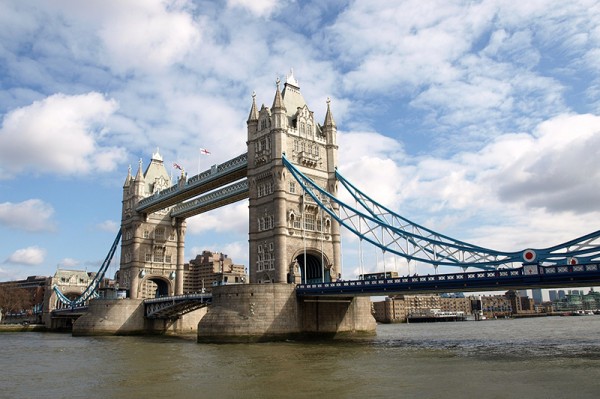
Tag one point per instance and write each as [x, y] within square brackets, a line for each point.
[549, 357]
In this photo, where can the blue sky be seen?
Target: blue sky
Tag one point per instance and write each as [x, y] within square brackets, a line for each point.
[479, 119]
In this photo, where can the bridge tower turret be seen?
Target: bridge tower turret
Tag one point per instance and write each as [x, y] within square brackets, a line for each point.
[149, 246]
[290, 239]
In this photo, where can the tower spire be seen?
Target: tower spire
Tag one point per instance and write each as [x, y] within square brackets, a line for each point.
[253, 111]
[278, 101]
[329, 122]
[128, 178]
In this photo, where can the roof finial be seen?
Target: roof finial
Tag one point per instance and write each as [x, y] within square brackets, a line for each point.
[277, 82]
[290, 79]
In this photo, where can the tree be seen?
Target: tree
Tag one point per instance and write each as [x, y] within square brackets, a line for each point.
[14, 299]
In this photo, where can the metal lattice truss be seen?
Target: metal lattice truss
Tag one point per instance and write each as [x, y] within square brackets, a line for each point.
[91, 290]
[376, 224]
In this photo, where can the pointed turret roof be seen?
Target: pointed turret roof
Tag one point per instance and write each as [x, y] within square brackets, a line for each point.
[156, 173]
[139, 176]
[292, 98]
[253, 111]
[329, 116]
[128, 178]
[278, 101]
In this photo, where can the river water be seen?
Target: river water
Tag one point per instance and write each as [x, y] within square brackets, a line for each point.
[550, 357]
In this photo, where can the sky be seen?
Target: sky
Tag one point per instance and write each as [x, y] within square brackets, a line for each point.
[477, 119]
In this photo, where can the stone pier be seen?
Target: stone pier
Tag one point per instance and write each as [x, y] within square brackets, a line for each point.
[268, 312]
[126, 317]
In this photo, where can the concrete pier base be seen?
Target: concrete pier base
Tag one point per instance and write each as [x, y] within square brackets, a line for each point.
[267, 312]
[126, 317]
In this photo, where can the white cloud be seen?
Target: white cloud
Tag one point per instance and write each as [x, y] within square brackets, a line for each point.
[233, 218]
[561, 169]
[109, 225]
[260, 8]
[148, 35]
[31, 215]
[68, 263]
[30, 256]
[60, 134]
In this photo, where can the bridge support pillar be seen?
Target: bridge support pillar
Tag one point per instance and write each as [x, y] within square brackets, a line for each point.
[180, 225]
[270, 312]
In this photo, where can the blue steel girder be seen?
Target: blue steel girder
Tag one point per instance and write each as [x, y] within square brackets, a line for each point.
[91, 291]
[395, 234]
[217, 176]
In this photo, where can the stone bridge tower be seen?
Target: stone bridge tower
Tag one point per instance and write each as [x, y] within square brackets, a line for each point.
[151, 244]
[291, 240]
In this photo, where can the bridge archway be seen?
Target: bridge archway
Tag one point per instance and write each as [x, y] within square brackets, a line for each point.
[155, 287]
[313, 267]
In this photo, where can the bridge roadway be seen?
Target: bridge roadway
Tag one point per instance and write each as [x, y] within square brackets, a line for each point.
[528, 276]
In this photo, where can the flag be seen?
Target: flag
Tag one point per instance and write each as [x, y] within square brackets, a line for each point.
[204, 151]
[176, 166]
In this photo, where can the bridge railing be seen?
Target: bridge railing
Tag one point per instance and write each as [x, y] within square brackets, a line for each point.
[527, 270]
[175, 306]
[177, 298]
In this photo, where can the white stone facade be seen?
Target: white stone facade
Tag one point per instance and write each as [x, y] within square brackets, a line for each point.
[290, 238]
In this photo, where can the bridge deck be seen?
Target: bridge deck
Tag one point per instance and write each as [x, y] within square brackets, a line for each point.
[175, 306]
[503, 279]
[218, 176]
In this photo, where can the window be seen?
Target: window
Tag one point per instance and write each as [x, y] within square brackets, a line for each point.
[148, 257]
[167, 258]
[292, 187]
[309, 222]
[159, 233]
[146, 234]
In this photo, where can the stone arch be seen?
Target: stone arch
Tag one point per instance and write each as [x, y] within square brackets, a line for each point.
[313, 266]
[154, 286]
[265, 278]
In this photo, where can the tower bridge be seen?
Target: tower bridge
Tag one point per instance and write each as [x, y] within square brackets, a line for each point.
[290, 179]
